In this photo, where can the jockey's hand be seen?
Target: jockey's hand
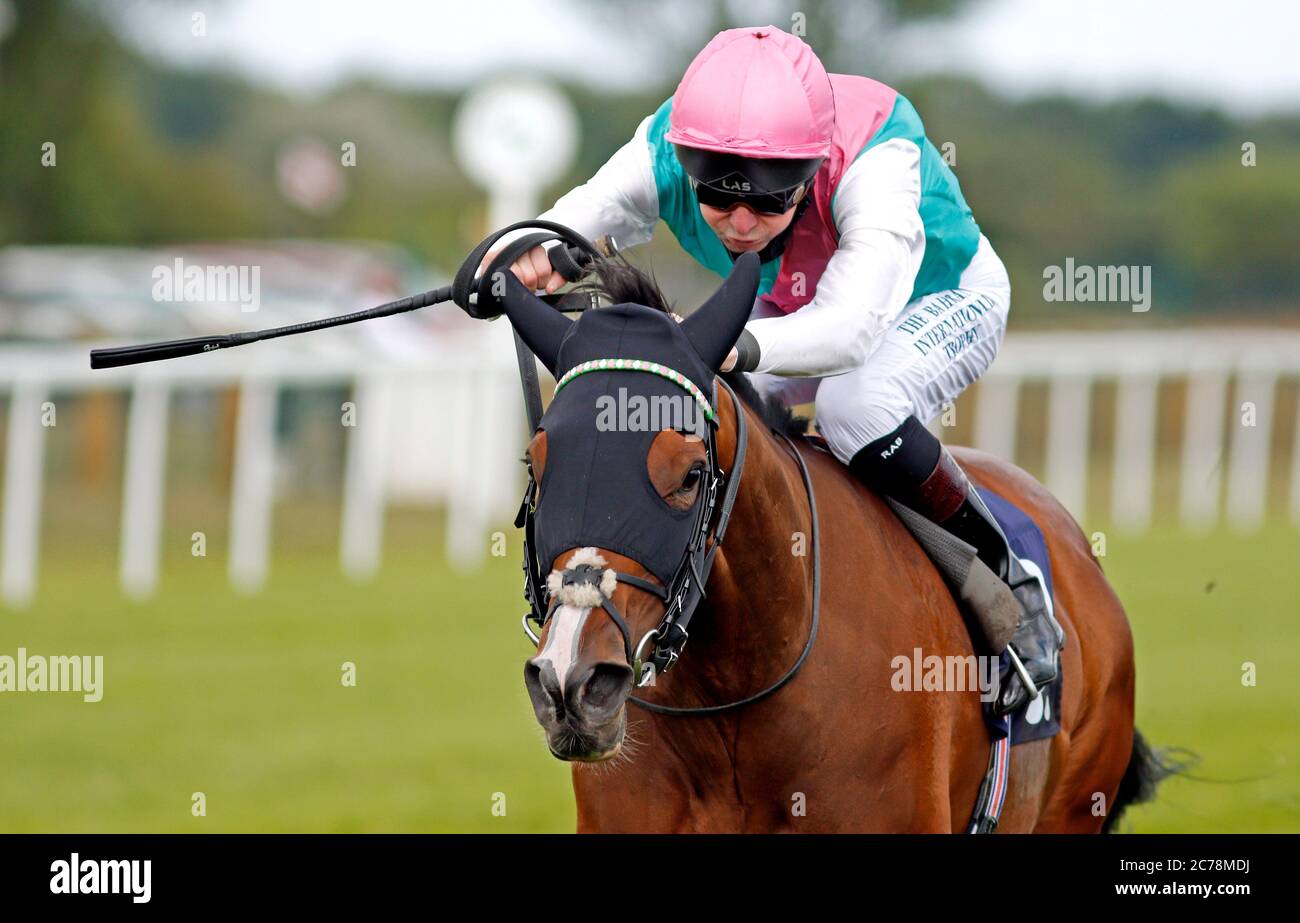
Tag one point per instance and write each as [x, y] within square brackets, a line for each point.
[533, 269]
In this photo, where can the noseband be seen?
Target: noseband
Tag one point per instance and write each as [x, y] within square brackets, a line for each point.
[591, 583]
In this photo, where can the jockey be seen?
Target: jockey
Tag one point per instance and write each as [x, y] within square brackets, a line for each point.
[880, 298]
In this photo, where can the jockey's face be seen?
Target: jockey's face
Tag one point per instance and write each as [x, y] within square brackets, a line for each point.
[740, 228]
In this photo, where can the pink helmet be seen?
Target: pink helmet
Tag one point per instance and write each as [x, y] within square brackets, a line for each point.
[757, 92]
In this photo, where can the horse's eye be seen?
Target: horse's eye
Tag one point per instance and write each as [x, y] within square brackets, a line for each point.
[692, 479]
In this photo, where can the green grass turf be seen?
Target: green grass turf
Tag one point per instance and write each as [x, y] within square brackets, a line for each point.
[240, 698]
[1201, 608]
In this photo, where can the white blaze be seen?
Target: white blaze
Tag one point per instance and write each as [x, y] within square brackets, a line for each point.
[561, 647]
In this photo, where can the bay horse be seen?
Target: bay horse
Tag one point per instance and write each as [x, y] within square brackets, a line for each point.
[835, 749]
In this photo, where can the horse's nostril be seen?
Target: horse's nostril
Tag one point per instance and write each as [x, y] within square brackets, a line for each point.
[543, 689]
[607, 686]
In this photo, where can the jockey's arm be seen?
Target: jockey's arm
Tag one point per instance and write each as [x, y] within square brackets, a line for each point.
[868, 279]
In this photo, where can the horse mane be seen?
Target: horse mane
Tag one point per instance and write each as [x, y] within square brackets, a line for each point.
[772, 411]
[619, 282]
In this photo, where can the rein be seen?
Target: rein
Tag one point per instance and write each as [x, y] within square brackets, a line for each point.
[685, 591]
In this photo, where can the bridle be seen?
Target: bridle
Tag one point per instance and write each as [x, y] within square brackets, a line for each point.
[685, 590]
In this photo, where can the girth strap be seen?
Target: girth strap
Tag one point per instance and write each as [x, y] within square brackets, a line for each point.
[993, 790]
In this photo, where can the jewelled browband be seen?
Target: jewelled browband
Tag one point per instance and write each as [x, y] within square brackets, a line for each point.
[641, 365]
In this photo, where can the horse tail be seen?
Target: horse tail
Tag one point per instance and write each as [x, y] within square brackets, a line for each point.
[1147, 768]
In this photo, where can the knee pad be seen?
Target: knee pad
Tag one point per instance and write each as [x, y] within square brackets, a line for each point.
[897, 463]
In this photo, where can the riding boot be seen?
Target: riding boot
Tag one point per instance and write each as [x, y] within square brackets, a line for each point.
[910, 466]
[1039, 638]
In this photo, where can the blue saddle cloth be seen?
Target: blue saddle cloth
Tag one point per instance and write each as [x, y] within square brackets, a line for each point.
[1037, 718]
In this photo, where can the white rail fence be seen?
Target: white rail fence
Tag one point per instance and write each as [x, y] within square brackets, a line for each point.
[475, 409]
[473, 417]
[1209, 360]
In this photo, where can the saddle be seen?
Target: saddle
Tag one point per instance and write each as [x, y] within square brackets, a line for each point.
[991, 629]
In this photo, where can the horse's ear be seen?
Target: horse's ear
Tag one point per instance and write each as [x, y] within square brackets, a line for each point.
[715, 326]
[541, 326]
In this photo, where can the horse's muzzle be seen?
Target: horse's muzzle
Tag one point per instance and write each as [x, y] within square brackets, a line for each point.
[583, 716]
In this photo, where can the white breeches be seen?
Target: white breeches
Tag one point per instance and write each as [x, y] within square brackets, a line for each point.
[936, 347]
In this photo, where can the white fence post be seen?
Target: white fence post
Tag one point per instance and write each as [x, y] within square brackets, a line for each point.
[24, 473]
[995, 415]
[254, 484]
[142, 489]
[1203, 449]
[1248, 458]
[1067, 441]
[362, 525]
[1135, 450]
[465, 537]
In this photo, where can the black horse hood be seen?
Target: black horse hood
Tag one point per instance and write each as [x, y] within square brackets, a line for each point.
[632, 331]
[624, 374]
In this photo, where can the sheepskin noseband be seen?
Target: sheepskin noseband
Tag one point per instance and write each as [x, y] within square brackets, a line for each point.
[585, 582]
